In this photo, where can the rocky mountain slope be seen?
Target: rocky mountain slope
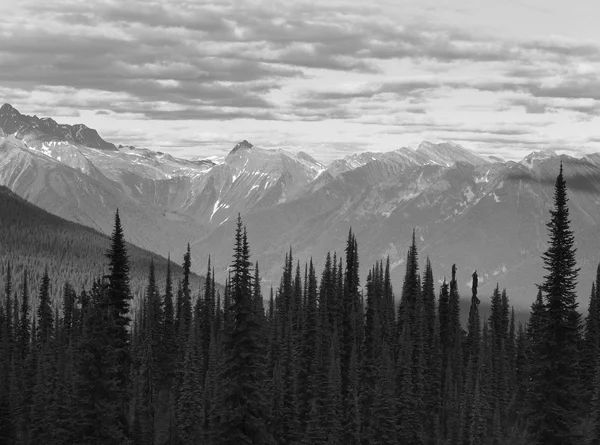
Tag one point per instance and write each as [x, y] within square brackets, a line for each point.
[478, 212]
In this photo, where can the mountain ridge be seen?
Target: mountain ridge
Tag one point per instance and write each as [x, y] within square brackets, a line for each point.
[34, 130]
[477, 211]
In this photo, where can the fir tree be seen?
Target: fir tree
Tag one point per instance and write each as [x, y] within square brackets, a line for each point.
[308, 358]
[118, 301]
[189, 410]
[6, 354]
[185, 304]
[555, 421]
[244, 415]
[44, 312]
[371, 357]
[97, 414]
[382, 427]
[333, 410]
[591, 344]
[169, 337]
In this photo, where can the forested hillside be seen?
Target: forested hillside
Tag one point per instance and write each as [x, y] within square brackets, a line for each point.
[32, 239]
[320, 359]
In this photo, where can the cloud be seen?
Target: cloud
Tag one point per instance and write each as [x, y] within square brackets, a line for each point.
[369, 72]
[227, 54]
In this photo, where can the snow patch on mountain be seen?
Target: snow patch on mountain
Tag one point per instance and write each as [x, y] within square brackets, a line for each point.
[536, 157]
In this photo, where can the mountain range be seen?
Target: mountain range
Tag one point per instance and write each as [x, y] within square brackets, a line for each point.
[482, 213]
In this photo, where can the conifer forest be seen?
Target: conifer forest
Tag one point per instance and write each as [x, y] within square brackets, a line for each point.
[319, 359]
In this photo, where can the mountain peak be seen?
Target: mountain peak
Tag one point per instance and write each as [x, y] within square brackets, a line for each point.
[536, 157]
[33, 128]
[448, 153]
[8, 109]
[244, 145]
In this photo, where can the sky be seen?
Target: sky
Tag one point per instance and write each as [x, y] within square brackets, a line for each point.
[330, 78]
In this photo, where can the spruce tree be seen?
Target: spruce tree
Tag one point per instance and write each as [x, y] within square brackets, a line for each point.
[371, 357]
[97, 413]
[307, 375]
[382, 427]
[555, 419]
[190, 406]
[44, 312]
[169, 335]
[591, 344]
[118, 302]
[244, 415]
[6, 354]
[185, 302]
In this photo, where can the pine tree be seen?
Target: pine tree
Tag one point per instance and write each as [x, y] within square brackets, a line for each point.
[119, 296]
[407, 415]
[44, 313]
[591, 344]
[244, 415]
[6, 354]
[333, 409]
[97, 414]
[169, 335]
[149, 374]
[189, 409]
[352, 420]
[23, 370]
[208, 316]
[24, 326]
[555, 419]
[350, 309]
[69, 319]
[185, 304]
[372, 352]
[307, 374]
[472, 352]
[382, 427]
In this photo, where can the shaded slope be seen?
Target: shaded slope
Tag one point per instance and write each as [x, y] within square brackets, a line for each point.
[32, 238]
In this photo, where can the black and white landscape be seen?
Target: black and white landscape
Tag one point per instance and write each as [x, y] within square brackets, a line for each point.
[481, 212]
[303, 223]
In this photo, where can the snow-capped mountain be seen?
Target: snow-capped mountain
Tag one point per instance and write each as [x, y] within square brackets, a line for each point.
[478, 212]
[449, 153]
[36, 131]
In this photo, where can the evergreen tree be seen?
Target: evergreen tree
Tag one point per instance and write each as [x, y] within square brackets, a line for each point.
[6, 358]
[185, 302]
[555, 419]
[118, 301]
[307, 374]
[372, 354]
[97, 414]
[333, 409]
[591, 344]
[382, 427]
[44, 312]
[244, 415]
[350, 308]
[169, 337]
[189, 410]
[472, 353]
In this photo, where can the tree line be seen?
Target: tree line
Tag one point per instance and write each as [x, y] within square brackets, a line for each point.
[316, 360]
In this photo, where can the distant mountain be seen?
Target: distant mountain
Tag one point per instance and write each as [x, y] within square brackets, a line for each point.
[479, 212]
[38, 131]
[449, 153]
[33, 239]
[87, 185]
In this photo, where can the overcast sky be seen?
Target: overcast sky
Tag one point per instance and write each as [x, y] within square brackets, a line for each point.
[329, 77]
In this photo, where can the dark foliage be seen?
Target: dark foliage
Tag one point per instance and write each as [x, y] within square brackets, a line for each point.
[326, 363]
